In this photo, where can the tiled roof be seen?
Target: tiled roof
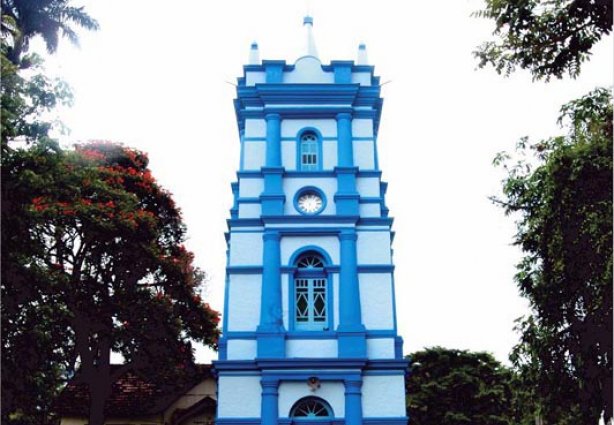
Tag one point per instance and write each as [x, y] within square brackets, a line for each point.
[132, 395]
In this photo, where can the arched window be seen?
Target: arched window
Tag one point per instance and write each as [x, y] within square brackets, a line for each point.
[310, 293]
[311, 407]
[309, 160]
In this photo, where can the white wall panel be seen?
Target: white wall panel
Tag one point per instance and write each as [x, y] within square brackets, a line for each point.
[241, 349]
[383, 396]
[254, 155]
[239, 396]
[311, 348]
[255, 127]
[288, 154]
[362, 78]
[380, 348]
[368, 186]
[244, 302]
[245, 249]
[362, 127]
[374, 248]
[369, 210]
[249, 210]
[250, 187]
[329, 153]
[376, 300]
[252, 78]
[364, 155]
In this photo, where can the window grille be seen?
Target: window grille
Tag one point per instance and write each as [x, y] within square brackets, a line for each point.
[311, 407]
[309, 152]
[310, 294]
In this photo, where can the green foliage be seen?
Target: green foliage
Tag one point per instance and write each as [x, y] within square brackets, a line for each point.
[452, 387]
[547, 37]
[561, 190]
[92, 244]
[26, 99]
[26, 19]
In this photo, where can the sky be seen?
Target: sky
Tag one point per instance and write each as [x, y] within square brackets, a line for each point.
[161, 78]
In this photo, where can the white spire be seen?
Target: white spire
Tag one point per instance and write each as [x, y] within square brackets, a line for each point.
[254, 54]
[310, 49]
[362, 55]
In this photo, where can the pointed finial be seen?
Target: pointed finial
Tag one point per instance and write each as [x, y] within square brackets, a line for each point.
[254, 54]
[310, 49]
[362, 55]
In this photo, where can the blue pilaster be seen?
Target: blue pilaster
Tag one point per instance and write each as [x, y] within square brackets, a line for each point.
[273, 140]
[351, 332]
[273, 197]
[270, 332]
[344, 140]
[347, 198]
[270, 399]
[353, 401]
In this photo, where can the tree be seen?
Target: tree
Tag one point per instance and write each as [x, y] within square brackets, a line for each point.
[46, 18]
[452, 387]
[32, 361]
[547, 37]
[102, 242]
[562, 196]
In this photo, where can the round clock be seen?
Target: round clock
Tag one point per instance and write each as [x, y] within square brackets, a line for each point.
[310, 202]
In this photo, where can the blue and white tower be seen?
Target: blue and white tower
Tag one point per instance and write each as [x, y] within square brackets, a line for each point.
[309, 330]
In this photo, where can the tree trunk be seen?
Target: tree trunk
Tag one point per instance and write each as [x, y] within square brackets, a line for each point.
[97, 402]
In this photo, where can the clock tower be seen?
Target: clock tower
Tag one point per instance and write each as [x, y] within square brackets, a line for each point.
[309, 324]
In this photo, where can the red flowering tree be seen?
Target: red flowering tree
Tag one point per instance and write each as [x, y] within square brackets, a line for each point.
[107, 255]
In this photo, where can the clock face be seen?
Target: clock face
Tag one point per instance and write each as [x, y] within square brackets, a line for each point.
[309, 202]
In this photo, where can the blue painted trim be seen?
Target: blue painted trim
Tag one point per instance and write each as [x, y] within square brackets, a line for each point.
[247, 200]
[298, 219]
[323, 173]
[305, 189]
[362, 268]
[254, 139]
[370, 199]
[293, 138]
[300, 335]
[242, 153]
[296, 254]
[403, 420]
[292, 269]
[291, 364]
[394, 303]
[244, 269]
[375, 221]
[376, 268]
[376, 153]
[226, 294]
